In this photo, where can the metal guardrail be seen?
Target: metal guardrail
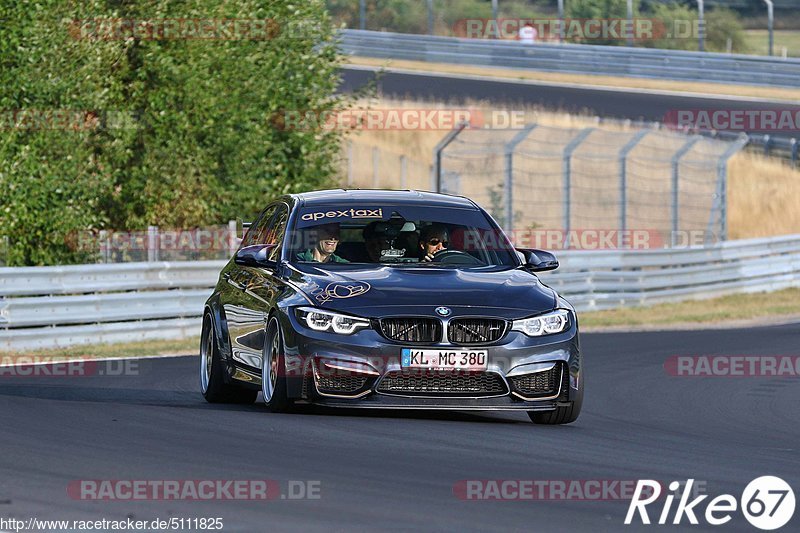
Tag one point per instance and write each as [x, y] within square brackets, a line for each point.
[47, 307]
[50, 307]
[594, 280]
[605, 60]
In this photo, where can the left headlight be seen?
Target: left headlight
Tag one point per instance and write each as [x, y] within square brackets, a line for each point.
[547, 324]
[320, 320]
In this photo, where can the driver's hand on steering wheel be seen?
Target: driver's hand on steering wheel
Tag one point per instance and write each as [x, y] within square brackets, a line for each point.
[428, 258]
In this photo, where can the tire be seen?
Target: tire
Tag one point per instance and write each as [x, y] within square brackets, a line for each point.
[562, 414]
[212, 372]
[273, 378]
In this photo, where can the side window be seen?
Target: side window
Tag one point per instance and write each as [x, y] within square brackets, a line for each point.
[277, 229]
[259, 226]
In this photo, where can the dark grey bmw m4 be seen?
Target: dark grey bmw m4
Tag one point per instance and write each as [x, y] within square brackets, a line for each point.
[392, 300]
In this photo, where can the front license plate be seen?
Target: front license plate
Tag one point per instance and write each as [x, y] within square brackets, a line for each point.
[472, 360]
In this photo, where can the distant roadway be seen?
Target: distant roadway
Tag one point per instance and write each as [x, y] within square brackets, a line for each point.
[607, 102]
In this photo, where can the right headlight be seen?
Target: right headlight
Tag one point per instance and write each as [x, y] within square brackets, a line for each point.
[320, 320]
[547, 324]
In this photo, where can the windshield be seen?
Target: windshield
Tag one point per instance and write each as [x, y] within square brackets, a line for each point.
[398, 235]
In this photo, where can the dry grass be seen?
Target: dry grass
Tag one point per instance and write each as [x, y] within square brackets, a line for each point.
[102, 351]
[784, 304]
[763, 197]
[588, 80]
[763, 193]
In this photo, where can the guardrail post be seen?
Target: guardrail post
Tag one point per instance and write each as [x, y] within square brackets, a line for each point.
[794, 146]
[509, 172]
[349, 163]
[629, 22]
[567, 169]
[152, 243]
[375, 162]
[430, 17]
[770, 23]
[362, 14]
[701, 26]
[721, 196]
[767, 144]
[105, 245]
[560, 21]
[623, 177]
[675, 163]
[437, 154]
[403, 171]
[231, 237]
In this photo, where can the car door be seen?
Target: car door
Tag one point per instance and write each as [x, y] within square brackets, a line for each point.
[251, 291]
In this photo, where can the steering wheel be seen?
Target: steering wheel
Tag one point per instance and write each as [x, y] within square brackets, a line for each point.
[454, 257]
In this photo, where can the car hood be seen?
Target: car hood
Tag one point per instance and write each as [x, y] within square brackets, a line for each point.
[372, 292]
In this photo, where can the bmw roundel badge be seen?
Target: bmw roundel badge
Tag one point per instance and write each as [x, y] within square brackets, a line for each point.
[443, 311]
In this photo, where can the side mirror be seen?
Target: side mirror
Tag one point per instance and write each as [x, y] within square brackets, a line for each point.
[538, 260]
[255, 256]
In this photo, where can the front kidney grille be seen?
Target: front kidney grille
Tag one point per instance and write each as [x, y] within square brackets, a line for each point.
[432, 383]
[538, 383]
[412, 329]
[476, 330]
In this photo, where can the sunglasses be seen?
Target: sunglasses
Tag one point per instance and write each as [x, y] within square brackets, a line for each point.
[436, 242]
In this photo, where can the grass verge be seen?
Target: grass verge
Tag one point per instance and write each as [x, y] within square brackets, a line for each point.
[758, 42]
[726, 310]
[103, 351]
[588, 80]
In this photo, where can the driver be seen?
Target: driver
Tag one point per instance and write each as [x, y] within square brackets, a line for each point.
[327, 239]
[432, 239]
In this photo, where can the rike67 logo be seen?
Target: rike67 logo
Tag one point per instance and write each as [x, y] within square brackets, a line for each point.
[767, 503]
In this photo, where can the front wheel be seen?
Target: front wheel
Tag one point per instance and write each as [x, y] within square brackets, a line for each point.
[273, 375]
[212, 380]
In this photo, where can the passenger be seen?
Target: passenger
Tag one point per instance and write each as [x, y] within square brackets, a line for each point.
[327, 239]
[374, 241]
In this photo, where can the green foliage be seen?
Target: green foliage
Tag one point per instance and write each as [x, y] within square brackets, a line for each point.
[721, 25]
[680, 21]
[411, 16]
[185, 135]
[598, 9]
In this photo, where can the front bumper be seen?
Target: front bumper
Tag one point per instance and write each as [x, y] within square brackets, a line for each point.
[364, 370]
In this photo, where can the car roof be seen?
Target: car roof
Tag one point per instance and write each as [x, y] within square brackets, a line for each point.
[349, 196]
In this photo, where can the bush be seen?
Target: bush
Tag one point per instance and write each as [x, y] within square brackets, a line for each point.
[184, 136]
[720, 23]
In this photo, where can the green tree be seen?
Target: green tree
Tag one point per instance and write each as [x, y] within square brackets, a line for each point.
[681, 30]
[186, 134]
[599, 10]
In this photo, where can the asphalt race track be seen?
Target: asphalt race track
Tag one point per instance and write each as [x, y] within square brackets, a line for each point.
[601, 101]
[397, 470]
